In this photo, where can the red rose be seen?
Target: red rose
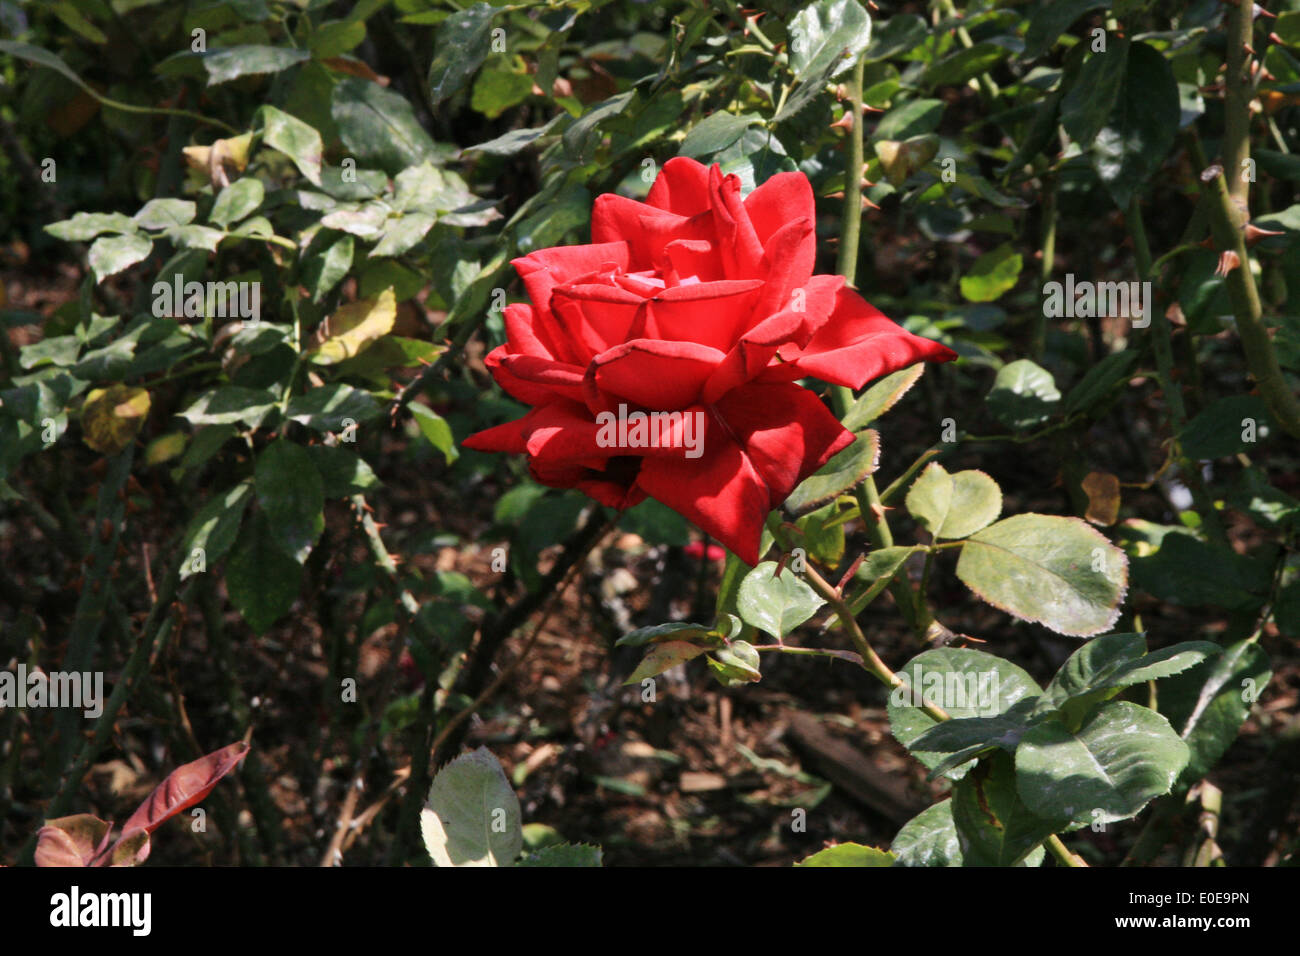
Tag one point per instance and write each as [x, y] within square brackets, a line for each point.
[699, 303]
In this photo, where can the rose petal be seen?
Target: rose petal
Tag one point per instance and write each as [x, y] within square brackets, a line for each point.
[682, 187]
[710, 313]
[786, 432]
[653, 374]
[781, 199]
[857, 344]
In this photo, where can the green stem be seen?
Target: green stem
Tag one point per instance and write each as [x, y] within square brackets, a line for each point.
[1161, 343]
[1039, 342]
[872, 663]
[1227, 224]
[850, 233]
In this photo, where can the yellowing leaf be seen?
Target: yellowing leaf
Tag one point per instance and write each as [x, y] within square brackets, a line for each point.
[352, 328]
[113, 416]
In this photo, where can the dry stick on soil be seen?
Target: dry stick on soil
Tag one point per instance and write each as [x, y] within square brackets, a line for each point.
[878, 668]
[513, 666]
[491, 635]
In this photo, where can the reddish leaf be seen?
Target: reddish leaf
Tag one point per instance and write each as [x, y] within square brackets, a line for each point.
[185, 787]
[72, 841]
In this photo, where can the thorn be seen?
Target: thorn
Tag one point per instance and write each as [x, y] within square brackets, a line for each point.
[868, 204]
[839, 588]
[1228, 260]
[1255, 234]
[845, 122]
[879, 510]
[867, 183]
[1249, 49]
[1274, 38]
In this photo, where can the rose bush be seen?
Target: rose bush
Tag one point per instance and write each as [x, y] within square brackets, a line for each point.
[695, 301]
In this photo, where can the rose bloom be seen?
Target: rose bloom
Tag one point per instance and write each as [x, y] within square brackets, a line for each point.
[698, 302]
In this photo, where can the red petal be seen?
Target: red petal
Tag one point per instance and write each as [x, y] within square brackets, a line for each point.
[646, 230]
[790, 255]
[508, 438]
[858, 344]
[785, 430]
[682, 187]
[653, 374]
[595, 317]
[742, 253]
[709, 313]
[535, 380]
[782, 198]
[722, 493]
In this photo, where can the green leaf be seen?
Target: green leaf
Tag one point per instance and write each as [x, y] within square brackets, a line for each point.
[992, 274]
[333, 407]
[1055, 571]
[1140, 131]
[954, 506]
[964, 64]
[1121, 758]
[715, 133]
[882, 396]
[928, 839]
[849, 854]
[1023, 394]
[913, 118]
[965, 683]
[292, 496]
[435, 430]
[403, 233]
[564, 854]
[229, 404]
[901, 33]
[165, 213]
[462, 44]
[472, 815]
[1095, 94]
[233, 62]
[111, 254]
[823, 534]
[241, 198]
[994, 827]
[659, 633]
[776, 605]
[296, 139]
[879, 567]
[342, 472]
[214, 528]
[324, 271]
[1225, 427]
[495, 91]
[1104, 666]
[1185, 570]
[1099, 381]
[262, 581]
[195, 237]
[1050, 20]
[1207, 704]
[826, 38]
[87, 225]
[844, 472]
[664, 656]
[378, 127]
[336, 37]
[42, 57]
[735, 664]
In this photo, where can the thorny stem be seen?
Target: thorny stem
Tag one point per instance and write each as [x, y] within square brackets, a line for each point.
[1161, 343]
[872, 663]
